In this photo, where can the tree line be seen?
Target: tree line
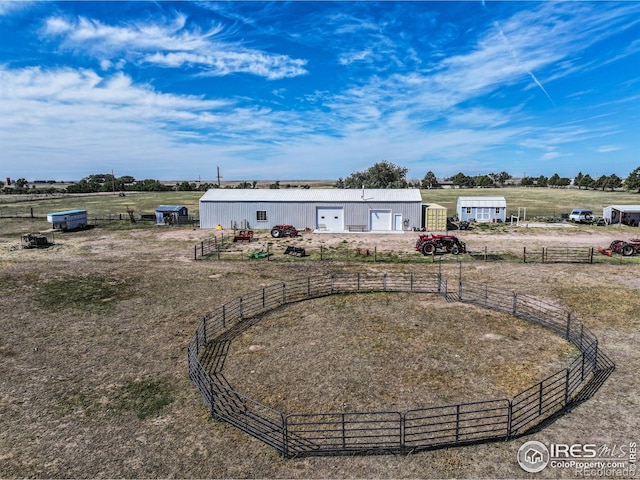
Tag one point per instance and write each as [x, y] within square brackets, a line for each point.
[383, 174]
[387, 175]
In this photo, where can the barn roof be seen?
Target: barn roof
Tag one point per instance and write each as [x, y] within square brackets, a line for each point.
[312, 195]
[482, 202]
[626, 208]
[169, 208]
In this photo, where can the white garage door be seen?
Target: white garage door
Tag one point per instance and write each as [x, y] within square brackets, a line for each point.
[380, 219]
[330, 218]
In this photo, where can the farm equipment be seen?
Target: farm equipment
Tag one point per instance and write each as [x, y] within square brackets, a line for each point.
[284, 231]
[295, 251]
[623, 248]
[35, 240]
[429, 244]
[259, 254]
[243, 236]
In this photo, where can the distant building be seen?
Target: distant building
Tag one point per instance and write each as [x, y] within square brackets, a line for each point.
[171, 214]
[622, 215]
[482, 209]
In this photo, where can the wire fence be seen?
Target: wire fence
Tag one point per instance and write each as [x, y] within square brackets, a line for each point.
[221, 247]
[331, 433]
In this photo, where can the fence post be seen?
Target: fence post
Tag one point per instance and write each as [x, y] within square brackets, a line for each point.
[224, 316]
[308, 286]
[411, 282]
[457, 422]
[195, 252]
[540, 404]
[568, 324]
[566, 389]
[524, 254]
[197, 344]
[375, 254]
[204, 329]
[240, 308]
[515, 303]
[384, 282]
[263, 299]
[509, 419]
[358, 282]
[320, 252]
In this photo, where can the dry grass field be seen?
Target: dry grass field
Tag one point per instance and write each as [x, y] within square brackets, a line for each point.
[93, 371]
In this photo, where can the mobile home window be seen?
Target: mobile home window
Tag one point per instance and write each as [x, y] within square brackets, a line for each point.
[261, 215]
[497, 209]
[468, 209]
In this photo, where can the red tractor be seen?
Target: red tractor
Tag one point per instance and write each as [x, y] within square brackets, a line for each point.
[284, 231]
[429, 244]
[623, 248]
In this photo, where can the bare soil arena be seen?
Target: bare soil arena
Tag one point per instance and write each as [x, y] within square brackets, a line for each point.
[93, 371]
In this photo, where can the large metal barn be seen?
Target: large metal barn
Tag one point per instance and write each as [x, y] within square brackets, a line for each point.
[322, 210]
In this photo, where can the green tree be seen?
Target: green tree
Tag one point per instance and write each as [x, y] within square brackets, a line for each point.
[577, 179]
[614, 182]
[587, 182]
[602, 182]
[462, 180]
[429, 180]
[527, 182]
[632, 182]
[381, 175]
[553, 180]
[542, 181]
[483, 181]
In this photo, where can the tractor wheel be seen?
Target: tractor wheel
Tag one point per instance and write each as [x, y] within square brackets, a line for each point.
[628, 250]
[276, 232]
[455, 250]
[428, 248]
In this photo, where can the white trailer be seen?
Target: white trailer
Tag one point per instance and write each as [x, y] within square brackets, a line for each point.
[68, 220]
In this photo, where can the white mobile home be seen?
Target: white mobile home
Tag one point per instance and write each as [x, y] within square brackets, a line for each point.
[332, 210]
[68, 220]
[482, 209]
[622, 214]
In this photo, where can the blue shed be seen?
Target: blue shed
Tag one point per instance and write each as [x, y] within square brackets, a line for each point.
[482, 209]
[171, 214]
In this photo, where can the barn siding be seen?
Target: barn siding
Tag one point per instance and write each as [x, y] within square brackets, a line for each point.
[242, 214]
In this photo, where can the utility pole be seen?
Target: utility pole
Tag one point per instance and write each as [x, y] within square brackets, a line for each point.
[219, 177]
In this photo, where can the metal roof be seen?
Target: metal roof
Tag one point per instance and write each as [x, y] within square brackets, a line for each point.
[482, 202]
[68, 212]
[169, 208]
[626, 208]
[312, 195]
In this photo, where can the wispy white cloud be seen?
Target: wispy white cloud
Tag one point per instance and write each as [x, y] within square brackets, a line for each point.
[170, 44]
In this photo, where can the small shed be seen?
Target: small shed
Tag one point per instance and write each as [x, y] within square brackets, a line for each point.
[434, 217]
[622, 215]
[171, 214]
[68, 219]
[482, 209]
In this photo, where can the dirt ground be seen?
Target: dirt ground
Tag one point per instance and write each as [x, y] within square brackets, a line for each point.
[107, 309]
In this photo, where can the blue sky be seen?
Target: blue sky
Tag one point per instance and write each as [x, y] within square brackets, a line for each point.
[318, 90]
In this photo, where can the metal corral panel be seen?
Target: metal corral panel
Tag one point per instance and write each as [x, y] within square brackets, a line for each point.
[435, 218]
[262, 208]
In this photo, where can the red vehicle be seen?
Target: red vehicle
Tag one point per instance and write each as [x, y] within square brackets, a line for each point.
[429, 244]
[284, 231]
[623, 248]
